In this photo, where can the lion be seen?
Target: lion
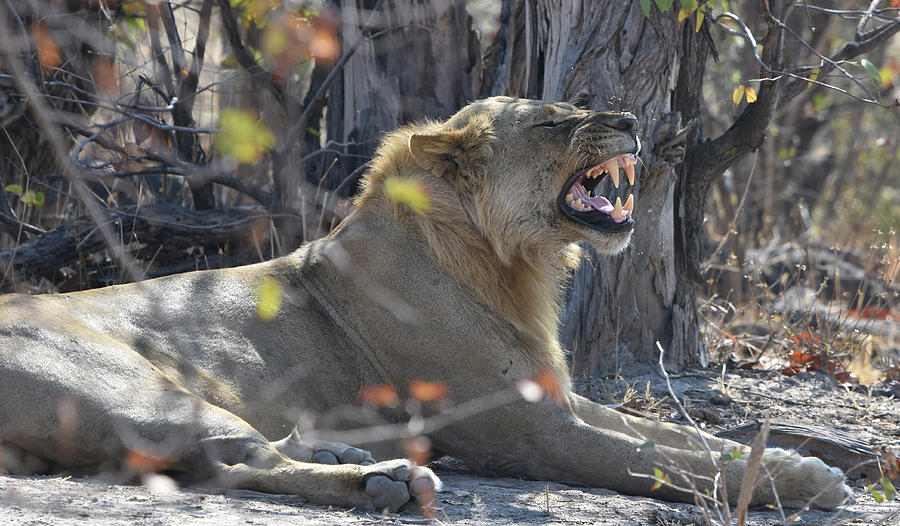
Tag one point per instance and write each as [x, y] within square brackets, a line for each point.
[464, 290]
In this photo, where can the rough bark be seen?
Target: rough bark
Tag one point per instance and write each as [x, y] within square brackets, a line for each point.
[421, 60]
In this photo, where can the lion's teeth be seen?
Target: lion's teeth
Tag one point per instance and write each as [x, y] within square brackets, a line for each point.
[614, 175]
[618, 211]
[629, 204]
[579, 204]
[570, 198]
[629, 171]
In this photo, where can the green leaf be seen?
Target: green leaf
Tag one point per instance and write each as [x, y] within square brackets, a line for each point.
[664, 5]
[243, 137]
[689, 5]
[889, 492]
[700, 16]
[645, 7]
[38, 199]
[661, 479]
[871, 69]
[408, 192]
[14, 189]
[268, 297]
[879, 498]
[647, 445]
[734, 454]
[137, 25]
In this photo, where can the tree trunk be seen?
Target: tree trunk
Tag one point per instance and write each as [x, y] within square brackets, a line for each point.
[620, 305]
[421, 59]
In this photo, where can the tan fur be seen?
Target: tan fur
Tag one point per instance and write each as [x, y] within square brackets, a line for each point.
[466, 293]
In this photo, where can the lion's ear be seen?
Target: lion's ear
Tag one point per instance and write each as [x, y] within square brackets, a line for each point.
[459, 153]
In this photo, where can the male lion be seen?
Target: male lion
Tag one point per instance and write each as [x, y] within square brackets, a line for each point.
[464, 291]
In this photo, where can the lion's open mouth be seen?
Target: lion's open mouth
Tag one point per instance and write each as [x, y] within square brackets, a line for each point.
[581, 201]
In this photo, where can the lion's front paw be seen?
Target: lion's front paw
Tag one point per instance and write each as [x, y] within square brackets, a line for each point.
[395, 483]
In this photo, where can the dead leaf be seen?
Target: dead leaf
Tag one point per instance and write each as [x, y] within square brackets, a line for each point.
[428, 391]
[549, 382]
[418, 449]
[140, 461]
[382, 395]
[48, 52]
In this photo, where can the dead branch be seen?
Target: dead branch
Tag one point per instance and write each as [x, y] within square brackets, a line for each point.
[164, 224]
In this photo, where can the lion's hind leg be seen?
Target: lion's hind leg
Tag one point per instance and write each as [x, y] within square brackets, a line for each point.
[661, 433]
[321, 452]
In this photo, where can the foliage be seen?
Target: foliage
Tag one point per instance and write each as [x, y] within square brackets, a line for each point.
[243, 137]
[408, 192]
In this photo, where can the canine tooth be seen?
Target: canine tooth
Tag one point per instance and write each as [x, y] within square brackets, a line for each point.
[618, 211]
[614, 175]
[629, 204]
[629, 172]
[569, 198]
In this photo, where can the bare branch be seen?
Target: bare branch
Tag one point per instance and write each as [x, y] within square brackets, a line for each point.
[279, 156]
[861, 27]
[63, 246]
[862, 44]
[189, 87]
[153, 21]
[258, 75]
[51, 130]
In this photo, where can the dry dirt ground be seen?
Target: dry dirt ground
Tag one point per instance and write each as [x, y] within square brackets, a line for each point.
[871, 415]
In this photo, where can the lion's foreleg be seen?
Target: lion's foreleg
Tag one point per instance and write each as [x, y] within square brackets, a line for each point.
[239, 456]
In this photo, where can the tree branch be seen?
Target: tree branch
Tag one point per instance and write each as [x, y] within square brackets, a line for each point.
[862, 44]
[258, 75]
[189, 87]
[66, 244]
[280, 155]
[712, 158]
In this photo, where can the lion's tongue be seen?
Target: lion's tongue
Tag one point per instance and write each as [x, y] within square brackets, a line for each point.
[597, 203]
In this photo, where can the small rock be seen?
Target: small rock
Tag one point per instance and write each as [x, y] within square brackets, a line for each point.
[720, 399]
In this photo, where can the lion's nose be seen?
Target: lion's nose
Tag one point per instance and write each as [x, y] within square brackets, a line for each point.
[626, 123]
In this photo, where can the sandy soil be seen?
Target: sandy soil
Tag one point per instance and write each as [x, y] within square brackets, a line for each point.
[872, 415]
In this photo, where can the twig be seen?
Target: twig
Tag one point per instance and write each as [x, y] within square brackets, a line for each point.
[153, 17]
[11, 60]
[748, 482]
[706, 448]
[733, 223]
[189, 87]
[243, 57]
[292, 137]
